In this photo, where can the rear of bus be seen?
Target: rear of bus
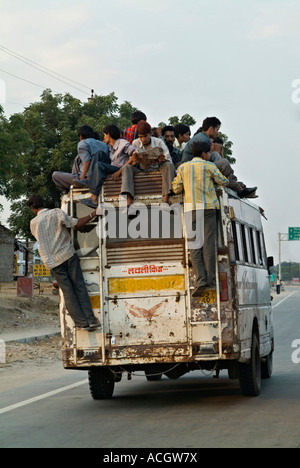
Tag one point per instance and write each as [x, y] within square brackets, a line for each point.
[140, 283]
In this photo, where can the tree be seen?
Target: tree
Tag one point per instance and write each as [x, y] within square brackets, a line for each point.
[227, 144]
[289, 270]
[43, 139]
[186, 119]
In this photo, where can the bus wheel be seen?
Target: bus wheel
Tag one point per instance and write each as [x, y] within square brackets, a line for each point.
[267, 366]
[101, 382]
[250, 374]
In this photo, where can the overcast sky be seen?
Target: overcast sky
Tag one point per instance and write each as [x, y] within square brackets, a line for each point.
[233, 59]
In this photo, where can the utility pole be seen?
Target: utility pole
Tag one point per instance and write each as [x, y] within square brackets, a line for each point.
[281, 237]
[292, 235]
[92, 96]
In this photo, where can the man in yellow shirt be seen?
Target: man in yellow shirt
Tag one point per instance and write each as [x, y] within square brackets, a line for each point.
[197, 178]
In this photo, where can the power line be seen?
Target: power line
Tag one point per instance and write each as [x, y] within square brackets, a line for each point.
[27, 81]
[36, 65]
[26, 60]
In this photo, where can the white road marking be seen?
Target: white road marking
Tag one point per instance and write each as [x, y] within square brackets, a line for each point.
[274, 307]
[41, 397]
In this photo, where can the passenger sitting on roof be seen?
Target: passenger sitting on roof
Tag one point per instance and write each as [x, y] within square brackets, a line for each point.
[168, 134]
[130, 133]
[121, 153]
[217, 157]
[209, 130]
[88, 150]
[182, 136]
[163, 163]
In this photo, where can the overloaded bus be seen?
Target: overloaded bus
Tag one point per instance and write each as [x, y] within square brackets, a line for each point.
[140, 282]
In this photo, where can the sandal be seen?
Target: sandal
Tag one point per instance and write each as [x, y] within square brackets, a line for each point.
[88, 202]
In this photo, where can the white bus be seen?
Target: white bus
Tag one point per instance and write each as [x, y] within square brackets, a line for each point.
[141, 285]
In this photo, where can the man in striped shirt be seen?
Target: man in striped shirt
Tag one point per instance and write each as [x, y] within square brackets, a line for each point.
[197, 178]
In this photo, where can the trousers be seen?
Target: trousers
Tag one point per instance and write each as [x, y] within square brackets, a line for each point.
[225, 168]
[64, 180]
[128, 171]
[204, 258]
[70, 280]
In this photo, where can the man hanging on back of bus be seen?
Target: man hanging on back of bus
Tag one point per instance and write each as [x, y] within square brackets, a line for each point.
[50, 229]
[196, 178]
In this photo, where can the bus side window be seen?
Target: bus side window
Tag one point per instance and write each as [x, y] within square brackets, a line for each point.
[244, 243]
[252, 248]
[260, 256]
[263, 249]
[237, 238]
[249, 245]
[235, 241]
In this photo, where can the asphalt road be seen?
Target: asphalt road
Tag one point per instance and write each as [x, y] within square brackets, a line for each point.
[53, 408]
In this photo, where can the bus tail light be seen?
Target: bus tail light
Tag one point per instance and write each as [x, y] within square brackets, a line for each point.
[223, 286]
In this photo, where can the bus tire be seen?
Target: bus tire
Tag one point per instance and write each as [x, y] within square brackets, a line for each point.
[101, 383]
[267, 366]
[250, 374]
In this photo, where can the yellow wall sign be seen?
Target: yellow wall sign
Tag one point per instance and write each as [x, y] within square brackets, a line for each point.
[40, 270]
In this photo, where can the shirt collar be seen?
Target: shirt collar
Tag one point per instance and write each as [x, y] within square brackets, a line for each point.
[116, 144]
[41, 211]
[197, 158]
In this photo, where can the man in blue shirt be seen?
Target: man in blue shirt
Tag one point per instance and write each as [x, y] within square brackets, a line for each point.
[121, 153]
[210, 129]
[88, 149]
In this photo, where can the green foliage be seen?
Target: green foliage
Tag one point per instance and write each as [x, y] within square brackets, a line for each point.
[227, 144]
[44, 139]
[186, 119]
[289, 270]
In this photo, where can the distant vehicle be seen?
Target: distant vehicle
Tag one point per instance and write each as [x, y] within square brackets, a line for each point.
[141, 291]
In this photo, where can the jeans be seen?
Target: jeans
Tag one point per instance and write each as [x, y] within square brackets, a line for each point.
[204, 259]
[99, 172]
[70, 280]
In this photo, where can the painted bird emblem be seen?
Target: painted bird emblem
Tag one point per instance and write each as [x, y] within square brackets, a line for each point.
[144, 313]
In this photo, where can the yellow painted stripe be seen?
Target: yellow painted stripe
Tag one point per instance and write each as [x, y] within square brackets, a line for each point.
[95, 301]
[148, 283]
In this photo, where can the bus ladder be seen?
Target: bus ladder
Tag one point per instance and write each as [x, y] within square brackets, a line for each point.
[79, 192]
[209, 343]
